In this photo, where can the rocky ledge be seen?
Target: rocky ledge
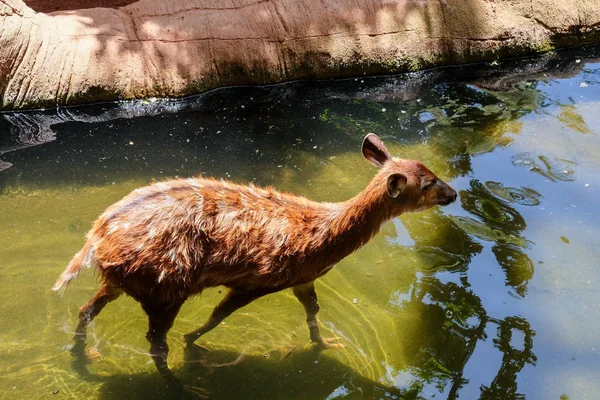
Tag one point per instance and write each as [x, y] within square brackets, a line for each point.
[61, 52]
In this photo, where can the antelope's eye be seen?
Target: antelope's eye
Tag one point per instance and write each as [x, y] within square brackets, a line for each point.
[430, 184]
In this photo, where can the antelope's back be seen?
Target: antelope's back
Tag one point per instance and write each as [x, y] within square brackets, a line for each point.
[205, 232]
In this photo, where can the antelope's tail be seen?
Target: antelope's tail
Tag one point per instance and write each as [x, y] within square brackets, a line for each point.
[83, 259]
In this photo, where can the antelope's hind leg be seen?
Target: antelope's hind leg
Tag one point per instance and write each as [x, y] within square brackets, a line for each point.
[160, 320]
[307, 296]
[87, 313]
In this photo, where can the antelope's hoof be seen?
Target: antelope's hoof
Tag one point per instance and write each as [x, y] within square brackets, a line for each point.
[195, 354]
[85, 356]
[330, 343]
[93, 354]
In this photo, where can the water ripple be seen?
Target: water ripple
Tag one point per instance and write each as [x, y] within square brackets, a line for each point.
[523, 196]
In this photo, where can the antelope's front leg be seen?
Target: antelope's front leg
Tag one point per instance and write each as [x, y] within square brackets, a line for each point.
[308, 297]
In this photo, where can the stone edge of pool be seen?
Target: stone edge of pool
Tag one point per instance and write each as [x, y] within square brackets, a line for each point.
[153, 48]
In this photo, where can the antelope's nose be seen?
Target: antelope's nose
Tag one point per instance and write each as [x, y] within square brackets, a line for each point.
[454, 197]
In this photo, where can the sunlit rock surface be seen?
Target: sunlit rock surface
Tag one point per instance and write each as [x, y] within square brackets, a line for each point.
[65, 52]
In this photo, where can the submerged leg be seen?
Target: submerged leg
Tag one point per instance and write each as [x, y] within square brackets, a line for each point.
[232, 301]
[308, 297]
[161, 318]
[88, 311]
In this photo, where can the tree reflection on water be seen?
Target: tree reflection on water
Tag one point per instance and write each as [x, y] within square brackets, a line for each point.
[453, 319]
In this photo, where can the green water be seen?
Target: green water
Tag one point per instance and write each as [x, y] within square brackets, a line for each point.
[495, 296]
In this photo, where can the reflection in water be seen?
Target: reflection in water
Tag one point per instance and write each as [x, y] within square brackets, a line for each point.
[456, 322]
[502, 224]
[516, 265]
[496, 214]
[492, 211]
[455, 317]
[514, 357]
[552, 168]
[440, 244]
[481, 231]
[523, 196]
[571, 118]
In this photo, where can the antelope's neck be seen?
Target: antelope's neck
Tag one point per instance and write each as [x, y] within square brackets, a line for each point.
[360, 218]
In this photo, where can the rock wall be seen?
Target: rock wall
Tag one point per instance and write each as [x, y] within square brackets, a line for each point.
[175, 48]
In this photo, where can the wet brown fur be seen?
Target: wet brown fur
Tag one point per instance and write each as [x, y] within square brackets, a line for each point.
[166, 242]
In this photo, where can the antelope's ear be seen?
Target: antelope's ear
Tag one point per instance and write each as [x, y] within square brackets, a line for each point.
[374, 150]
[395, 184]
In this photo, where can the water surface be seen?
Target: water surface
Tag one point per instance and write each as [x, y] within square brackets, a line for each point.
[495, 296]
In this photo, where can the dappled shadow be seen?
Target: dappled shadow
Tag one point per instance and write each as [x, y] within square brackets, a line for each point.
[147, 49]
